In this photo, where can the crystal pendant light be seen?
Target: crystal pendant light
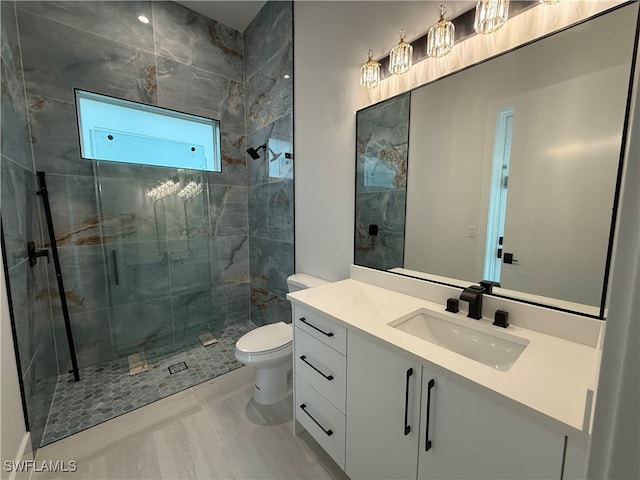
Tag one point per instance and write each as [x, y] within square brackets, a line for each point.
[490, 15]
[401, 56]
[370, 73]
[440, 37]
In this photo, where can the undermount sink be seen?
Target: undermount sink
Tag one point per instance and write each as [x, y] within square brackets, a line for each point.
[497, 349]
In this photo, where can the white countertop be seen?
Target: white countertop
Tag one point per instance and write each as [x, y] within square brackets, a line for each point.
[551, 376]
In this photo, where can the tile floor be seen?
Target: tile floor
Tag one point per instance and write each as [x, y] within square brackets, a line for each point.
[107, 390]
[211, 431]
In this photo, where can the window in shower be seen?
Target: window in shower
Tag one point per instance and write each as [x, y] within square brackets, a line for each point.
[118, 130]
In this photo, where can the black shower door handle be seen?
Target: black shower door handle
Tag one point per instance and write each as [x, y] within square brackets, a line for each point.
[114, 258]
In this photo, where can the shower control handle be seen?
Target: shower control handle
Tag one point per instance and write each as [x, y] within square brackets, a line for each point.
[304, 320]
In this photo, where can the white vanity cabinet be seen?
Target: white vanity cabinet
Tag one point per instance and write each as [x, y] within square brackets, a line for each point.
[319, 349]
[469, 435]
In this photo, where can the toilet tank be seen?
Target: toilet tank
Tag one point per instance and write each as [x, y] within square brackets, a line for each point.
[301, 281]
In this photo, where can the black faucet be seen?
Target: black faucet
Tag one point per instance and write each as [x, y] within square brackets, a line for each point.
[473, 295]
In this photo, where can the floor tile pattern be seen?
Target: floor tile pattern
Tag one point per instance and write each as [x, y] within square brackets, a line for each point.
[107, 390]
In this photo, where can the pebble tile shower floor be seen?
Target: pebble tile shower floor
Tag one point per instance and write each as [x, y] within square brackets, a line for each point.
[107, 390]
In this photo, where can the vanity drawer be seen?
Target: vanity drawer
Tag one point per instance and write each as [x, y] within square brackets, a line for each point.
[322, 367]
[323, 328]
[324, 422]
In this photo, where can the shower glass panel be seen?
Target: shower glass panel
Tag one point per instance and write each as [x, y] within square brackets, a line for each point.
[155, 236]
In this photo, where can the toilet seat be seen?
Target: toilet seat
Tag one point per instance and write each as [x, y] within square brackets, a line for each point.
[266, 339]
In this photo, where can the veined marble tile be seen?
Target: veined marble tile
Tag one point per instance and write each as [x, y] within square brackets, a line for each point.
[115, 20]
[193, 90]
[29, 328]
[238, 302]
[271, 264]
[269, 96]
[83, 274]
[190, 266]
[74, 210]
[228, 210]
[142, 273]
[230, 260]
[234, 163]
[383, 125]
[384, 251]
[193, 39]
[384, 207]
[266, 34]
[267, 307]
[14, 135]
[259, 210]
[18, 208]
[39, 386]
[197, 312]
[57, 57]
[258, 170]
[128, 214]
[10, 48]
[141, 326]
[54, 135]
[280, 217]
[91, 338]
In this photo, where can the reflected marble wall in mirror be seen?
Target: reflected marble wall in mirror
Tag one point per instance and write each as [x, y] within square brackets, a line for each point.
[508, 171]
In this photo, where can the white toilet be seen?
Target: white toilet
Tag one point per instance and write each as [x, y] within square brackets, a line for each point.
[269, 350]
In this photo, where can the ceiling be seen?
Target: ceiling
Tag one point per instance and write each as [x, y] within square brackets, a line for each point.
[235, 14]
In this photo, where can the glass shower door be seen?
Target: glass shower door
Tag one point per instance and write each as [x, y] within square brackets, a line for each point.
[155, 229]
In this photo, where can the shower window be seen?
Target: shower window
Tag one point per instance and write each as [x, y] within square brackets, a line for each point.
[118, 130]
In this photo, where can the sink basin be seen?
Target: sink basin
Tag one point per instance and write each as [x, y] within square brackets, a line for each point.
[478, 342]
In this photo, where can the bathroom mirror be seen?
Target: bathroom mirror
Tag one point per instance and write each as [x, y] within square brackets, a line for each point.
[505, 171]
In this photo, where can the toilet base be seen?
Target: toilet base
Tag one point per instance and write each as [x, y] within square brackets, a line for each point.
[271, 384]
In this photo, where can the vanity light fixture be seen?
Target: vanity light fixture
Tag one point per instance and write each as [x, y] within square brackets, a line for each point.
[143, 19]
[164, 188]
[370, 73]
[549, 2]
[440, 37]
[191, 189]
[490, 15]
[401, 56]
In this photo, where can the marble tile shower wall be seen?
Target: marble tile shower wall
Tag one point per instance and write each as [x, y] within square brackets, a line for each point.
[269, 119]
[20, 218]
[382, 137]
[182, 268]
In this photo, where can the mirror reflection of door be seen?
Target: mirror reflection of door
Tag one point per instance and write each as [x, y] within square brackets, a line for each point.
[498, 195]
[562, 185]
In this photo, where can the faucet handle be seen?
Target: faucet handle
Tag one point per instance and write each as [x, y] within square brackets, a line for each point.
[488, 285]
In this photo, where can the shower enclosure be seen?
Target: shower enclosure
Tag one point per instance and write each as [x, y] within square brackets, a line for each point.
[138, 274]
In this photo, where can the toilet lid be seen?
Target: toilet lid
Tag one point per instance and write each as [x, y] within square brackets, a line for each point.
[267, 337]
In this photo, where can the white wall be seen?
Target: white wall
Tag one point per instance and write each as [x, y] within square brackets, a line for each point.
[13, 435]
[331, 43]
[616, 427]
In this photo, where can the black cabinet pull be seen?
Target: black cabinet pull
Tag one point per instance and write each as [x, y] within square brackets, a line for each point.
[114, 258]
[407, 428]
[328, 334]
[427, 443]
[329, 432]
[304, 359]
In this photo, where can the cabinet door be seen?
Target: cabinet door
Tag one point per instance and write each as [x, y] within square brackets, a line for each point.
[473, 436]
[383, 396]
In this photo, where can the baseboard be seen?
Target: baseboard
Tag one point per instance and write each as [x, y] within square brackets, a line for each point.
[24, 453]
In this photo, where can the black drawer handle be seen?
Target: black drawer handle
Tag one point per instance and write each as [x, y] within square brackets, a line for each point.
[328, 334]
[304, 409]
[304, 359]
[427, 443]
[407, 428]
